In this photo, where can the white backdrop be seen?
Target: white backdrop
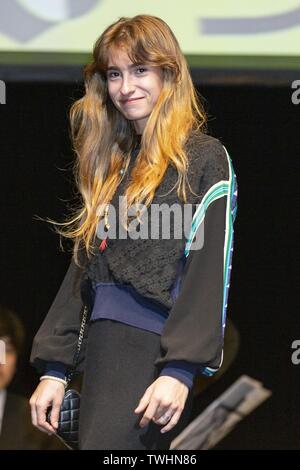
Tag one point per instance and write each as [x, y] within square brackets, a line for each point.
[256, 27]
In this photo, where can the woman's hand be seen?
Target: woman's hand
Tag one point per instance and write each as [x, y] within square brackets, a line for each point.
[48, 393]
[164, 402]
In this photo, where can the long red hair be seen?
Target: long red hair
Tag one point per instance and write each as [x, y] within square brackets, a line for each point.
[103, 138]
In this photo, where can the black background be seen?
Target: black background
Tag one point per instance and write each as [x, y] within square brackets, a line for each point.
[259, 125]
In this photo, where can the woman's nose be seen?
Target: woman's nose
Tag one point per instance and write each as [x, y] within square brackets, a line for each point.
[127, 86]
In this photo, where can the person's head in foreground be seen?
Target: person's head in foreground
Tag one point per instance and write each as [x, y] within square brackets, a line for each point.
[11, 343]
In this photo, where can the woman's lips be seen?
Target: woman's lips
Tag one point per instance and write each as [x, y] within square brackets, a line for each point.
[132, 100]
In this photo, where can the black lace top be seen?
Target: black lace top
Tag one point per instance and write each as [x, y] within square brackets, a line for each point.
[194, 330]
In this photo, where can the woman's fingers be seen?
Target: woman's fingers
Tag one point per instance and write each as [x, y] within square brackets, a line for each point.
[173, 421]
[164, 399]
[49, 393]
[150, 412]
[144, 401]
[163, 415]
[41, 418]
[55, 414]
[33, 410]
[34, 413]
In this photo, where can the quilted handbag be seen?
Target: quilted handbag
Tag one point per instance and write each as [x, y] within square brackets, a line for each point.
[68, 422]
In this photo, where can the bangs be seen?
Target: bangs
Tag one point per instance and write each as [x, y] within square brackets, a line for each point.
[142, 46]
[133, 48]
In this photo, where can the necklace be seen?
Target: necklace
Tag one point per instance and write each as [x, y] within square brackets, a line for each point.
[103, 243]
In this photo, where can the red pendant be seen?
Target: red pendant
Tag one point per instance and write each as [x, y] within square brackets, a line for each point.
[103, 244]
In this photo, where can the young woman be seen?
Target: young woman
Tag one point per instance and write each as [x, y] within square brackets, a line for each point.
[156, 290]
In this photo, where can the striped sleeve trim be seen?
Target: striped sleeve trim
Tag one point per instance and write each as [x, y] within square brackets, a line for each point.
[224, 188]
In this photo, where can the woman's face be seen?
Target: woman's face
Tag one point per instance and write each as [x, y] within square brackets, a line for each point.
[134, 89]
[8, 366]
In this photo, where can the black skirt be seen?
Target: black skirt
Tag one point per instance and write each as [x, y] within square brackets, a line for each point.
[119, 367]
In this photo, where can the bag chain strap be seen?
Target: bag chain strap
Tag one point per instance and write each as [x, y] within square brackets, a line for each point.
[80, 339]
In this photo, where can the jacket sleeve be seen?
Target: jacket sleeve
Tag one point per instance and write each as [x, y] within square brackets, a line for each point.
[57, 337]
[193, 335]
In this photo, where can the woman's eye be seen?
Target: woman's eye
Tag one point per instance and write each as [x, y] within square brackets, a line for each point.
[139, 70]
[112, 74]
